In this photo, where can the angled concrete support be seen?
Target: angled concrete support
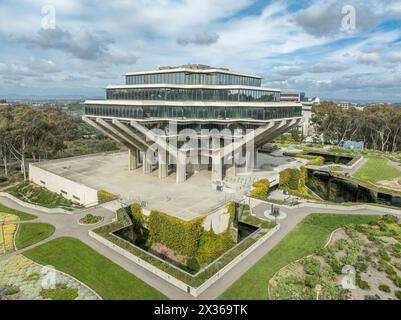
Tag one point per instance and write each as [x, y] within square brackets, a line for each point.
[132, 159]
[146, 164]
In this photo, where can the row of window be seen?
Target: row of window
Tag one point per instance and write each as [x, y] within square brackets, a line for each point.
[190, 112]
[200, 94]
[193, 78]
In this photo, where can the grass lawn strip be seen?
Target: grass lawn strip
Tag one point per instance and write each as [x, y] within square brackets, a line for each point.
[109, 280]
[31, 233]
[23, 216]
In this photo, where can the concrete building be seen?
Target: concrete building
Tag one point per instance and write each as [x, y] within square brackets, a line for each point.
[307, 104]
[141, 114]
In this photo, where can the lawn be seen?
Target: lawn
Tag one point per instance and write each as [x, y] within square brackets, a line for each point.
[309, 235]
[109, 280]
[31, 233]
[20, 214]
[377, 169]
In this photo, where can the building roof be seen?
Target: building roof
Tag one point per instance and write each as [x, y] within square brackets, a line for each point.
[192, 68]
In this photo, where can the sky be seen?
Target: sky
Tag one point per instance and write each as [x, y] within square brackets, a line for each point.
[334, 49]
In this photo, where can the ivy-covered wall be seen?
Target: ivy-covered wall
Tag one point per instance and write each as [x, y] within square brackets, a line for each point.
[294, 180]
[179, 235]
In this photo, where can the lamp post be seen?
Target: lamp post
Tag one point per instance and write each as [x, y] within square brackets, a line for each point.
[318, 291]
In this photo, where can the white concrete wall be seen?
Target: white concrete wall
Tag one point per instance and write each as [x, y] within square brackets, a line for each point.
[56, 183]
[217, 221]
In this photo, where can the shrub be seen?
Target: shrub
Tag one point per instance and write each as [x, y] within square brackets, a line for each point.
[259, 193]
[311, 266]
[105, 196]
[398, 294]
[317, 161]
[369, 297]
[261, 189]
[90, 219]
[384, 288]
[388, 218]
[364, 285]
[32, 277]
[178, 235]
[11, 291]
[311, 281]
[193, 264]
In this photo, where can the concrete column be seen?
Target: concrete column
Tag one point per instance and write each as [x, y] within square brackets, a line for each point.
[163, 165]
[132, 159]
[146, 165]
[217, 168]
[181, 174]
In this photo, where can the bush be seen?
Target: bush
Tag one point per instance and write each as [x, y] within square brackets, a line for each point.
[11, 291]
[259, 193]
[398, 294]
[261, 189]
[388, 218]
[178, 235]
[90, 219]
[193, 264]
[364, 285]
[384, 288]
[105, 196]
[139, 220]
[317, 161]
[311, 266]
[375, 297]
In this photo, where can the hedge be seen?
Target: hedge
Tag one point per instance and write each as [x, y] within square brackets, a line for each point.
[105, 196]
[314, 160]
[261, 189]
[181, 236]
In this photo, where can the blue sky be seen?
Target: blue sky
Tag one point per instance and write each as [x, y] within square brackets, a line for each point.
[296, 45]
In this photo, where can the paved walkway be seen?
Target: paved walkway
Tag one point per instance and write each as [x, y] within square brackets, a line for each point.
[66, 225]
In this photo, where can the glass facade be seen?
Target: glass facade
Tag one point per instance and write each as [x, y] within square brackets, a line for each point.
[200, 94]
[193, 112]
[182, 77]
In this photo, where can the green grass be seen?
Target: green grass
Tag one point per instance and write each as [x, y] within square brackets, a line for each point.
[29, 192]
[109, 280]
[377, 169]
[22, 215]
[61, 292]
[31, 233]
[308, 236]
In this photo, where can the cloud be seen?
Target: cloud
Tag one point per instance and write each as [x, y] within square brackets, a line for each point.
[323, 20]
[327, 67]
[200, 39]
[33, 68]
[83, 44]
[288, 70]
[394, 56]
[369, 58]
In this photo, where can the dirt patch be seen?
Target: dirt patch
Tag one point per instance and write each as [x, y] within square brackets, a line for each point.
[339, 234]
[391, 184]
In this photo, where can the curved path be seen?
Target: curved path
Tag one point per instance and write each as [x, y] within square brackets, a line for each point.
[66, 225]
